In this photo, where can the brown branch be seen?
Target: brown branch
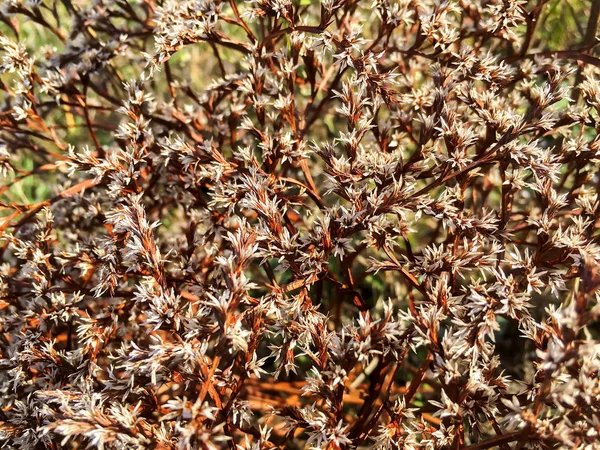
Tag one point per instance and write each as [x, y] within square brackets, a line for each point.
[495, 441]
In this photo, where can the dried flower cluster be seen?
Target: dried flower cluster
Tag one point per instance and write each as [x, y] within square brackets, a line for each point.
[298, 224]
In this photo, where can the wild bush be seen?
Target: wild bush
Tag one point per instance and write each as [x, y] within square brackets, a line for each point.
[299, 224]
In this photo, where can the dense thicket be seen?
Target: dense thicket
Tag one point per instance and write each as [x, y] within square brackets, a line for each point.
[299, 224]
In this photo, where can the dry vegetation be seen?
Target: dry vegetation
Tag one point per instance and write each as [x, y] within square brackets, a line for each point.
[299, 224]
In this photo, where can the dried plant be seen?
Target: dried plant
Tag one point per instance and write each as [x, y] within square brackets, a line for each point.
[298, 224]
